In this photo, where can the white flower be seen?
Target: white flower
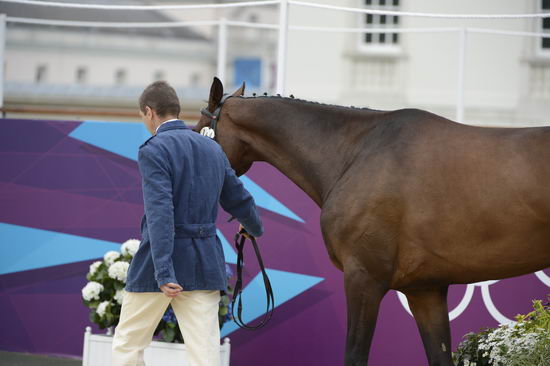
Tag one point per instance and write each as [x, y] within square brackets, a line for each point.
[93, 267]
[119, 296]
[102, 308]
[119, 271]
[110, 257]
[130, 247]
[92, 290]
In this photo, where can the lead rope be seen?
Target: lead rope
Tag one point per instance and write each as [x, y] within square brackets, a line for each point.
[238, 285]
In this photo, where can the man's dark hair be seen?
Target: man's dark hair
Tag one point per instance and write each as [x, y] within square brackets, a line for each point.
[161, 97]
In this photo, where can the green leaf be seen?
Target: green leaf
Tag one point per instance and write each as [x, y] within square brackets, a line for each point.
[115, 309]
[109, 318]
[225, 300]
[168, 334]
[100, 275]
[223, 310]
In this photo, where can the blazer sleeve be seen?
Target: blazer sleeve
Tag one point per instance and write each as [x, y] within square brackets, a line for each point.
[159, 212]
[236, 200]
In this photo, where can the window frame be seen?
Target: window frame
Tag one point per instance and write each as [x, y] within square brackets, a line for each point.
[379, 48]
[121, 76]
[543, 52]
[81, 75]
[41, 74]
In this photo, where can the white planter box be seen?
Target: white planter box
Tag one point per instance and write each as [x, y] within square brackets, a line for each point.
[97, 351]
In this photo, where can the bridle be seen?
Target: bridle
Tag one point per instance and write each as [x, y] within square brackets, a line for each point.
[211, 128]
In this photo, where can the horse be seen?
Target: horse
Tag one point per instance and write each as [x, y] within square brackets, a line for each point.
[410, 200]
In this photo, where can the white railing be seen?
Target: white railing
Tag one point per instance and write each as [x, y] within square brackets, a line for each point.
[142, 7]
[282, 27]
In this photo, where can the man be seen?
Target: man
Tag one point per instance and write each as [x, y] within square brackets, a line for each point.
[180, 259]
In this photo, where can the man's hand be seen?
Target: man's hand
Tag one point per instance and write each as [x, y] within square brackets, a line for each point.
[243, 231]
[171, 289]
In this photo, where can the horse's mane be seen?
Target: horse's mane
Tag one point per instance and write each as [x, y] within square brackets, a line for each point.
[292, 99]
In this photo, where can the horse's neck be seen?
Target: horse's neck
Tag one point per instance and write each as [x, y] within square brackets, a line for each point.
[312, 145]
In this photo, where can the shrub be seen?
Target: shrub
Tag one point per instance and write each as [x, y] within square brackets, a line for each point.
[525, 342]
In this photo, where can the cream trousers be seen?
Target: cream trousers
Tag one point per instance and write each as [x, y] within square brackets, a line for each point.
[197, 315]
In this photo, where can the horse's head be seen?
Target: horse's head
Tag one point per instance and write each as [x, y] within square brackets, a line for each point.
[227, 133]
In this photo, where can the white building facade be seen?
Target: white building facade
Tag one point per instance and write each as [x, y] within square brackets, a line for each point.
[506, 77]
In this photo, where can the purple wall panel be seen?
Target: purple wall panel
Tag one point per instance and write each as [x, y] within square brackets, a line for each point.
[51, 181]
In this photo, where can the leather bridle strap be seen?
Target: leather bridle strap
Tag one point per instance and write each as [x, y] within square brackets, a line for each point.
[215, 116]
[238, 286]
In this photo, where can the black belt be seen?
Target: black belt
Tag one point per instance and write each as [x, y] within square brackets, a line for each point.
[239, 284]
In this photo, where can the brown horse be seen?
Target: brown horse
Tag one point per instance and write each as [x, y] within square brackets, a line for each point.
[409, 200]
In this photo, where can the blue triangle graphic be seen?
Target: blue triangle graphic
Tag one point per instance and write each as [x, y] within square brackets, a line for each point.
[267, 201]
[117, 137]
[228, 251]
[24, 248]
[286, 285]
[124, 138]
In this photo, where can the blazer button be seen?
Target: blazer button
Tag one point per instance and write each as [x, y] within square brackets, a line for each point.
[201, 231]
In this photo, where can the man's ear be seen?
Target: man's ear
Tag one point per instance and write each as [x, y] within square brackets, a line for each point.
[148, 111]
[216, 94]
[239, 91]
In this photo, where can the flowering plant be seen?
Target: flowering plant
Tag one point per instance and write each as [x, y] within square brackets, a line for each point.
[104, 292]
[525, 342]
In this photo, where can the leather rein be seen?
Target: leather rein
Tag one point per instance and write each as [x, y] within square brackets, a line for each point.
[237, 292]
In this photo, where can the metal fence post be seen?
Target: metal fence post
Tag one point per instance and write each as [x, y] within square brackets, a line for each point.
[461, 71]
[282, 49]
[222, 49]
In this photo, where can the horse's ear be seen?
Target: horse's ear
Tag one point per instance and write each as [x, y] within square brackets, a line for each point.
[239, 91]
[216, 94]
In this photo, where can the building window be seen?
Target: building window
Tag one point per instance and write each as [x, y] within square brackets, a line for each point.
[545, 24]
[253, 18]
[120, 77]
[40, 74]
[159, 75]
[380, 40]
[81, 75]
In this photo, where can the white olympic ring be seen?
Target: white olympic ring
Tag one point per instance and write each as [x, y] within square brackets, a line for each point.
[485, 294]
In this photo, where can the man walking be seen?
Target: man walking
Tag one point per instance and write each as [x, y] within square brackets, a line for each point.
[180, 259]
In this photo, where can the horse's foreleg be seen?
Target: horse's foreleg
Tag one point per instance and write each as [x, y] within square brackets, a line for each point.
[429, 308]
[363, 296]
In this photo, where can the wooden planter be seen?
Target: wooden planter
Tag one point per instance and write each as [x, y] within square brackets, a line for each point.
[97, 351]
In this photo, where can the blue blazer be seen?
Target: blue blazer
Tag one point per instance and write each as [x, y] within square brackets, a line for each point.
[184, 176]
